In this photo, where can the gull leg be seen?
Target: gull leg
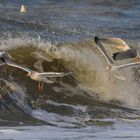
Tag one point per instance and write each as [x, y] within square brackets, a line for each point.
[42, 85]
[39, 85]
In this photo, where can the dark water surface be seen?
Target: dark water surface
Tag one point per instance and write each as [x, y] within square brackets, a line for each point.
[71, 108]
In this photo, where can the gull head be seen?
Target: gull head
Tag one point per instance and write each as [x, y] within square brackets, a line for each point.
[31, 73]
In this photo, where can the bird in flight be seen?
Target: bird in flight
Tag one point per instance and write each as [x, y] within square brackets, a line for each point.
[126, 53]
[37, 76]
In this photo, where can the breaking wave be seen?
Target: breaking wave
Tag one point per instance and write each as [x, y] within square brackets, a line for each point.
[91, 93]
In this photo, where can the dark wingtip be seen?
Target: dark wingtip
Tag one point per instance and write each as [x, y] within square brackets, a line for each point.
[2, 56]
[96, 38]
[114, 56]
[2, 59]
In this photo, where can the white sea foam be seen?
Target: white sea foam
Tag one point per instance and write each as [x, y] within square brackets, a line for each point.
[120, 130]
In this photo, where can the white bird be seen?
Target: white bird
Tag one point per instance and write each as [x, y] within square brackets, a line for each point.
[37, 76]
[126, 52]
[22, 9]
[42, 77]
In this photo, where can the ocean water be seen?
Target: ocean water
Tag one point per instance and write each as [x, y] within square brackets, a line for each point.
[58, 36]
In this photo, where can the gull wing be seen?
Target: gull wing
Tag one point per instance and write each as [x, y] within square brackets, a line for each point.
[102, 50]
[115, 41]
[131, 53]
[125, 65]
[13, 64]
[54, 74]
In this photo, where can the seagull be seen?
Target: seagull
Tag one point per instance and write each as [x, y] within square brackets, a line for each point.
[22, 9]
[126, 52]
[42, 77]
[37, 76]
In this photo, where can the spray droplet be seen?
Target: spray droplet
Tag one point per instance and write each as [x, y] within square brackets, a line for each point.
[22, 9]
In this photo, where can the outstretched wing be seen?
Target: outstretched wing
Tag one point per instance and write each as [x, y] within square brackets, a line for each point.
[54, 74]
[125, 65]
[13, 64]
[6, 58]
[102, 50]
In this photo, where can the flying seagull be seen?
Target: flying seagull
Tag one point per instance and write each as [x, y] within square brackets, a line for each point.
[126, 52]
[37, 76]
